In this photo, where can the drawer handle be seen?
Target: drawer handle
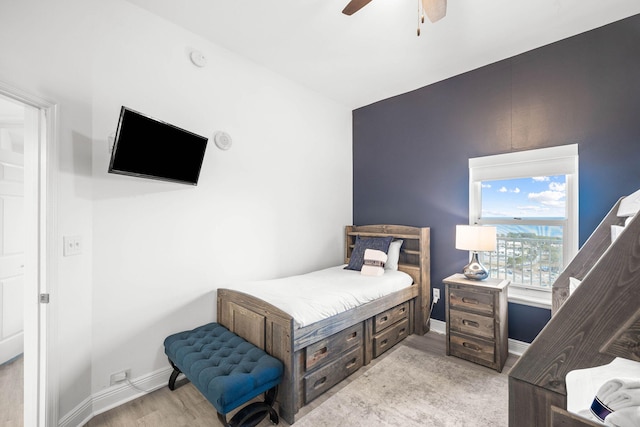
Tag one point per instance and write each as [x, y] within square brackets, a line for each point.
[401, 331]
[320, 352]
[351, 363]
[383, 319]
[320, 382]
[470, 323]
[401, 310]
[471, 346]
[470, 300]
[352, 336]
[384, 342]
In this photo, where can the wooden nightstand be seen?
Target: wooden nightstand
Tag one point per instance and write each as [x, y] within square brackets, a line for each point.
[476, 316]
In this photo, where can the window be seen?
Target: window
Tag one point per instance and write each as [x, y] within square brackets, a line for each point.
[531, 197]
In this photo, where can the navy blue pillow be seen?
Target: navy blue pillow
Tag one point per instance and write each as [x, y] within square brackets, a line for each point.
[357, 255]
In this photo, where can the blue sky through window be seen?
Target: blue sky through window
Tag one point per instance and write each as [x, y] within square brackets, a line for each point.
[534, 197]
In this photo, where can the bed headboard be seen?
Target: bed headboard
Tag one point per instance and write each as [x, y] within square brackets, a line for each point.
[415, 258]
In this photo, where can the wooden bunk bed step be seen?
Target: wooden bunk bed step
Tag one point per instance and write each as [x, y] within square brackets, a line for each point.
[588, 329]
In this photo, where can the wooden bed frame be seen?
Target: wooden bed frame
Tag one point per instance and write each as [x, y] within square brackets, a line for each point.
[320, 355]
[599, 321]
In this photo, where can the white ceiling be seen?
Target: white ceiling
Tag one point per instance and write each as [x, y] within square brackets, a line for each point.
[375, 53]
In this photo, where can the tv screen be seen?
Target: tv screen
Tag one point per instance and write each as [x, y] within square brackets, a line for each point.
[150, 148]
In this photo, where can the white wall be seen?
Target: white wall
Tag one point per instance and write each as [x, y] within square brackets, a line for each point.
[154, 252]
[275, 204]
[45, 49]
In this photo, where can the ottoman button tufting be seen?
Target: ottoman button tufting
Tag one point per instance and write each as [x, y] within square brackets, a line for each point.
[228, 371]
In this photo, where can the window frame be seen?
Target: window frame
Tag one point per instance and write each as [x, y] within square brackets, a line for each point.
[560, 160]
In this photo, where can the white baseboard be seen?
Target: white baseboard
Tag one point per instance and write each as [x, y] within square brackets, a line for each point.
[11, 347]
[114, 396]
[79, 415]
[438, 326]
[515, 347]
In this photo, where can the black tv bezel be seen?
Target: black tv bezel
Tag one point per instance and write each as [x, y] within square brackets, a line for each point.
[124, 110]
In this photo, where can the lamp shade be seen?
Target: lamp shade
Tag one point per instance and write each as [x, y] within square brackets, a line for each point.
[475, 238]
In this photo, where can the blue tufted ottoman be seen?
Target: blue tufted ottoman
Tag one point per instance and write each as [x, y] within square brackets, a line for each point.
[227, 370]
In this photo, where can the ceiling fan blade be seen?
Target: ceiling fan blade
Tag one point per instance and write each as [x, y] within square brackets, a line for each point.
[354, 6]
[435, 9]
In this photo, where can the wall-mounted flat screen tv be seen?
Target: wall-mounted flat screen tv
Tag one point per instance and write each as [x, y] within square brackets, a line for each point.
[150, 148]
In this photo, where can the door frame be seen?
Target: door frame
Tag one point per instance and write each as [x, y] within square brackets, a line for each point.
[40, 195]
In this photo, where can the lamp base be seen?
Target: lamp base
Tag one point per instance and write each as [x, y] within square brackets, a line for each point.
[475, 270]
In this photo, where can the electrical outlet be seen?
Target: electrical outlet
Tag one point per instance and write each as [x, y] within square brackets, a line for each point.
[72, 245]
[436, 294]
[119, 377]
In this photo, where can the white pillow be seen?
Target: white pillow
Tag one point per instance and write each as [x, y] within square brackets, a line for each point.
[374, 261]
[393, 255]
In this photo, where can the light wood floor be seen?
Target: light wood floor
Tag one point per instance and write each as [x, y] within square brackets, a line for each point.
[11, 393]
[187, 407]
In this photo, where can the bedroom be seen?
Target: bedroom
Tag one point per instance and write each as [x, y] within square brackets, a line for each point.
[114, 300]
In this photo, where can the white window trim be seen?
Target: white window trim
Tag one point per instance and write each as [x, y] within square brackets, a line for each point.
[561, 160]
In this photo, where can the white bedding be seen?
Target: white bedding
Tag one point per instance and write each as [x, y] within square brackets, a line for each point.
[311, 297]
[583, 384]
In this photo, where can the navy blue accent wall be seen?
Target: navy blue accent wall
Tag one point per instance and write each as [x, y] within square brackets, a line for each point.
[525, 321]
[410, 152]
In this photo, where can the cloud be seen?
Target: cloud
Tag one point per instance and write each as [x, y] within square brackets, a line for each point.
[540, 178]
[503, 190]
[486, 185]
[557, 186]
[548, 198]
[517, 190]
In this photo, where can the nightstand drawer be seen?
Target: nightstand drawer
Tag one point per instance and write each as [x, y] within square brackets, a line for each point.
[473, 324]
[390, 317]
[480, 302]
[465, 346]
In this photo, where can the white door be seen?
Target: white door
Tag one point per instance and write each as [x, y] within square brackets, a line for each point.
[11, 241]
[28, 261]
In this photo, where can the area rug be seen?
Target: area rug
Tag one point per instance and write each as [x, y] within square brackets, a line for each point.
[412, 388]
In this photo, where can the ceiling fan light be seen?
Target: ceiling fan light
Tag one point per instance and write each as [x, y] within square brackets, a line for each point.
[435, 9]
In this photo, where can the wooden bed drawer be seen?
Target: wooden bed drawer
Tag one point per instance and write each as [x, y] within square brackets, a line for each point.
[389, 317]
[324, 378]
[466, 299]
[471, 348]
[328, 349]
[470, 323]
[390, 337]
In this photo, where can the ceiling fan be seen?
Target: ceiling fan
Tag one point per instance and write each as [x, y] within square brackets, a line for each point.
[435, 9]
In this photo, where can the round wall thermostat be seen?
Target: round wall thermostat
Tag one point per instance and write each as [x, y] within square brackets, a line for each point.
[223, 140]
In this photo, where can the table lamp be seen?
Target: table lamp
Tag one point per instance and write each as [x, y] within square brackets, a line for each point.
[475, 238]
